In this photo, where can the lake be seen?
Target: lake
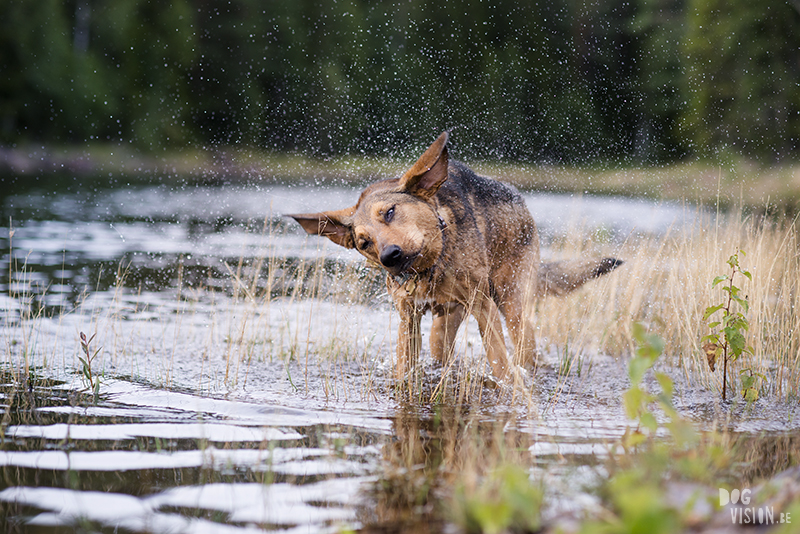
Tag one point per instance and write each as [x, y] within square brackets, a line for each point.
[245, 369]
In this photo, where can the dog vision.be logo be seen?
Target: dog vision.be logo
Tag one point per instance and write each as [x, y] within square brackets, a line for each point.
[747, 515]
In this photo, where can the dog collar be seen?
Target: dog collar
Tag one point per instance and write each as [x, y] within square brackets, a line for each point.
[407, 281]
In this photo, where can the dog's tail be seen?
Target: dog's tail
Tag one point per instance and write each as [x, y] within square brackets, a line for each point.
[560, 277]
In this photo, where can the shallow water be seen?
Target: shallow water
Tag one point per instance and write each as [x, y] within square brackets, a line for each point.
[233, 397]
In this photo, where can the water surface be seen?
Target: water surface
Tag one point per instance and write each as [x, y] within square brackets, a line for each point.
[246, 368]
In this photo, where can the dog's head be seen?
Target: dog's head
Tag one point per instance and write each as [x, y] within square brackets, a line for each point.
[395, 222]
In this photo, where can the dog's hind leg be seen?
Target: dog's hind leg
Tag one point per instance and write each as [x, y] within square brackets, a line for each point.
[521, 331]
[446, 320]
[487, 315]
[516, 289]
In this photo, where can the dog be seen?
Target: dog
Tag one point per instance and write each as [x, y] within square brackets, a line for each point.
[454, 243]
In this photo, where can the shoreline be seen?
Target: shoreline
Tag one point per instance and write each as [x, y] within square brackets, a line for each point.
[764, 189]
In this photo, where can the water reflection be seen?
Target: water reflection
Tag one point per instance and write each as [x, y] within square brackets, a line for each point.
[174, 462]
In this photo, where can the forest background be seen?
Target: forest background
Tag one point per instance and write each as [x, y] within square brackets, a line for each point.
[561, 81]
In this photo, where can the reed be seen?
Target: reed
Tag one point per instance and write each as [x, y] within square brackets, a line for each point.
[666, 284]
[270, 308]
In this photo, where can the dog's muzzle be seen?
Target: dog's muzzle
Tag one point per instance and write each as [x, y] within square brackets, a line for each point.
[392, 256]
[393, 259]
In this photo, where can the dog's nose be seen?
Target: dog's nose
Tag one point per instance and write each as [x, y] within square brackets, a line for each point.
[391, 256]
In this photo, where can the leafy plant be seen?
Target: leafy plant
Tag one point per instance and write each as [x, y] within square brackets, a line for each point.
[91, 378]
[638, 504]
[506, 501]
[638, 401]
[635, 490]
[749, 384]
[727, 338]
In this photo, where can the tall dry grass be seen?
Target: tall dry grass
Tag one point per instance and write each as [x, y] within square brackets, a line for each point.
[666, 284]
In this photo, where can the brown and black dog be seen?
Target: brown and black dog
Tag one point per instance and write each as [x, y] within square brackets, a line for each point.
[454, 243]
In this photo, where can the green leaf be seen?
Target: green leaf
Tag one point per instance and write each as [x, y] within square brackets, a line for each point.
[748, 381]
[650, 345]
[636, 369]
[738, 322]
[492, 515]
[633, 399]
[719, 279]
[742, 302]
[711, 338]
[632, 438]
[638, 332]
[648, 421]
[666, 383]
[726, 320]
[651, 350]
[711, 310]
[735, 340]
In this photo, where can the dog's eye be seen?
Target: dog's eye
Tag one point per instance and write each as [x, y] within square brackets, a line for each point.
[389, 215]
[364, 244]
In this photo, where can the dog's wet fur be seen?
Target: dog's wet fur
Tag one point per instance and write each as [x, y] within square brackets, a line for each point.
[454, 243]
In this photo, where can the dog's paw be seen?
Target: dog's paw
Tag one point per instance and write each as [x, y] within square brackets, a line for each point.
[491, 382]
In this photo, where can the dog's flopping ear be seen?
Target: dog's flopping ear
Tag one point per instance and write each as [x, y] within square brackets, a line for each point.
[335, 225]
[425, 177]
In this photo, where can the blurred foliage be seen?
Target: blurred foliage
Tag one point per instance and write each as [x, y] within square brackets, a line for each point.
[742, 74]
[563, 80]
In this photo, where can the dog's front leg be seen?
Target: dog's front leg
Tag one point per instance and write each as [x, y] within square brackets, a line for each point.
[409, 339]
[409, 336]
[487, 314]
[446, 320]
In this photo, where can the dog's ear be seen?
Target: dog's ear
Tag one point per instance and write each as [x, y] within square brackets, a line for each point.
[335, 225]
[425, 177]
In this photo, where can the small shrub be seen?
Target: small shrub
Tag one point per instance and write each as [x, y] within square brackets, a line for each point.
[91, 377]
[505, 501]
[727, 339]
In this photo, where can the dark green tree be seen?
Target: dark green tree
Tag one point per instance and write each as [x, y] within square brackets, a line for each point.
[658, 27]
[743, 77]
[558, 81]
[95, 70]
